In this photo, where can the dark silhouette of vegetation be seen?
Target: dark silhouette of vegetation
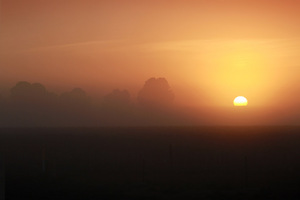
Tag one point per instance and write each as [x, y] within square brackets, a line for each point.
[155, 103]
[31, 96]
[156, 92]
[75, 99]
[31, 104]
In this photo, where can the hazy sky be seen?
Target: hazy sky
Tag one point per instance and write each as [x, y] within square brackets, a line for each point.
[210, 51]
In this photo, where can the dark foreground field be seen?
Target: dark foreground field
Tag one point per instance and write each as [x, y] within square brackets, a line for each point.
[151, 163]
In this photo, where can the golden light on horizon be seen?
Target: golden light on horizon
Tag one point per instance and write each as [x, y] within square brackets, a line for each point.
[240, 101]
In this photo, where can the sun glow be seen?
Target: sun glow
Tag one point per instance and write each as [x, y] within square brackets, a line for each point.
[240, 101]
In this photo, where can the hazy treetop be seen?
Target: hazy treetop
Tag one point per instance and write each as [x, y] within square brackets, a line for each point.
[156, 92]
[117, 97]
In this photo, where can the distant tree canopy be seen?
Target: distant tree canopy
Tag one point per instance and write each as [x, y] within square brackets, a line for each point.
[77, 98]
[27, 94]
[24, 90]
[156, 92]
[31, 104]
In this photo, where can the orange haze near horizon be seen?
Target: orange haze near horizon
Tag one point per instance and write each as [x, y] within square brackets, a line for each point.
[210, 51]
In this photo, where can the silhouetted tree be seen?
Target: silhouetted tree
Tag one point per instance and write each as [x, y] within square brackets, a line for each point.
[31, 103]
[156, 92]
[76, 99]
[33, 95]
[155, 99]
[21, 93]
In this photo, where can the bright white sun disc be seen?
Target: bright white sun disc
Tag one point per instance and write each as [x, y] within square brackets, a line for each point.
[240, 101]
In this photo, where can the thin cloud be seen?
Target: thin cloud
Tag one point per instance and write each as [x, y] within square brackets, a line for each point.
[78, 44]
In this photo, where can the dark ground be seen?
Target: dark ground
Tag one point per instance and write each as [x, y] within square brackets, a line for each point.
[152, 163]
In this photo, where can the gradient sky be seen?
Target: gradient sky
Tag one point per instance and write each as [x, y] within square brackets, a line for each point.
[210, 51]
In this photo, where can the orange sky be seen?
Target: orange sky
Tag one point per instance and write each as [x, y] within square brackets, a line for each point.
[210, 51]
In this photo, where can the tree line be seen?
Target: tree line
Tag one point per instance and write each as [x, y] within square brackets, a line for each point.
[31, 104]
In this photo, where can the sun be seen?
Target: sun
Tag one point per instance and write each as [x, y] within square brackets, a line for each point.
[240, 101]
